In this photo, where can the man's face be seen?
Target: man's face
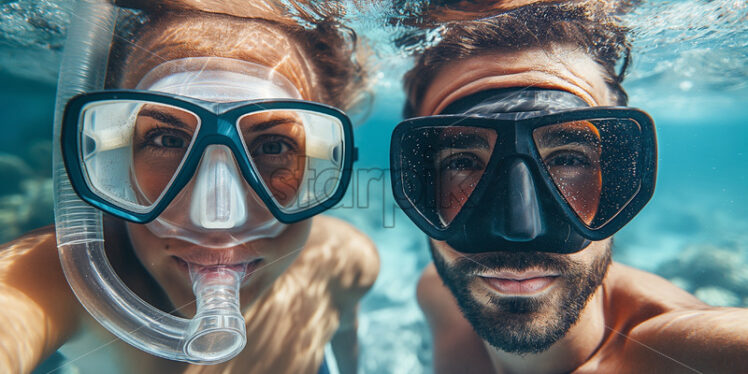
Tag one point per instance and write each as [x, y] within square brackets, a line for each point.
[521, 302]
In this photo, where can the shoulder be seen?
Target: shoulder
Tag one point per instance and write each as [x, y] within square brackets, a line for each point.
[666, 327]
[654, 294]
[347, 254]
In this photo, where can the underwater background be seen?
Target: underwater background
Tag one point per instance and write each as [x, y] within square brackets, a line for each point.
[689, 71]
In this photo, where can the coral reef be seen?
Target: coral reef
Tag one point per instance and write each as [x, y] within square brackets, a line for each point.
[718, 275]
[26, 192]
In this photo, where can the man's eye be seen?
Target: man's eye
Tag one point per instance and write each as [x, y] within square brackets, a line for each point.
[461, 162]
[274, 148]
[568, 159]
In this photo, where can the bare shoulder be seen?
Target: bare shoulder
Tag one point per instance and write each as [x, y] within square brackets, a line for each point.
[346, 253]
[647, 290]
[673, 331]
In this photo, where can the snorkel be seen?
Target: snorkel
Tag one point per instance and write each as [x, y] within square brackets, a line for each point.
[217, 332]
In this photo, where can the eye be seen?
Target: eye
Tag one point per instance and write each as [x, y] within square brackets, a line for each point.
[461, 162]
[161, 138]
[568, 159]
[272, 146]
[169, 141]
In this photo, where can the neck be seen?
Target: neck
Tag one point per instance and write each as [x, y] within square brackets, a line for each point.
[582, 339]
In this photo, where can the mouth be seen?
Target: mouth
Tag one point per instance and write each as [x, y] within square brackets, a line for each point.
[252, 265]
[519, 283]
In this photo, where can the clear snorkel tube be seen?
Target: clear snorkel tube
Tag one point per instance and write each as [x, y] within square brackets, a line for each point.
[217, 332]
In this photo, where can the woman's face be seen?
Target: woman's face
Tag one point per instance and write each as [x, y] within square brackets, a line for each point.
[159, 146]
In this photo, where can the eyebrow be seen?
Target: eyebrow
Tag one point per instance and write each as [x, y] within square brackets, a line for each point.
[555, 137]
[165, 118]
[464, 141]
[264, 125]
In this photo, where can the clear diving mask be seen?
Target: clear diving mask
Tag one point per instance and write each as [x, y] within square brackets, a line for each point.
[217, 152]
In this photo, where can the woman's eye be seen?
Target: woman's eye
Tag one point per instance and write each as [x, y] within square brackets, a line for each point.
[166, 139]
[272, 145]
[568, 159]
[461, 162]
[169, 141]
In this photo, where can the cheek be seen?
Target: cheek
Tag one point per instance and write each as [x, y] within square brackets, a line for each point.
[446, 252]
[149, 249]
[587, 257]
[287, 244]
[454, 190]
[587, 198]
[152, 175]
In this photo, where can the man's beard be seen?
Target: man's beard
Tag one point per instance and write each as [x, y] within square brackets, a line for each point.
[523, 324]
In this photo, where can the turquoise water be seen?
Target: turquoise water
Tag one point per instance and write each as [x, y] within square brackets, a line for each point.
[689, 71]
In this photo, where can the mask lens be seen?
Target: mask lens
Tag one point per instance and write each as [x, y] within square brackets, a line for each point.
[297, 153]
[441, 166]
[131, 150]
[594, 164]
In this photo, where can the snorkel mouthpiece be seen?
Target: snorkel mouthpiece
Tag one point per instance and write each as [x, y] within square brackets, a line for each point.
[217, 332]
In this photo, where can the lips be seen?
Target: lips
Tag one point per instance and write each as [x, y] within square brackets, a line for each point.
[252, 265]
[525, 283]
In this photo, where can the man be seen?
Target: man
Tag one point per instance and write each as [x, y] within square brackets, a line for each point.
[520, 179]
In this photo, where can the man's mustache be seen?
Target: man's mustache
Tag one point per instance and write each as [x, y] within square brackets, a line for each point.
[511, 261]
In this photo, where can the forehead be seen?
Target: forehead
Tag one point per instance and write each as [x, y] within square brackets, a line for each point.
[253, 40]
[557, 67]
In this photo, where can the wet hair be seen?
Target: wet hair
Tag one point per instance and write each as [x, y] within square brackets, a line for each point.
[329, 48]
[530, 26]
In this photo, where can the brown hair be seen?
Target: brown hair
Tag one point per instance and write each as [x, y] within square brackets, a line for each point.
[536, 25]
[326, 48]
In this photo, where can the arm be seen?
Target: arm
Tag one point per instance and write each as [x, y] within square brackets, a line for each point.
[709, 340]
[39, 311]
[671, 331]
[345, 342]
[456, 346]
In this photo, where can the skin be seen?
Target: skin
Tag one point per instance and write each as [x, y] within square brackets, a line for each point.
[303, 293]
[634, 322]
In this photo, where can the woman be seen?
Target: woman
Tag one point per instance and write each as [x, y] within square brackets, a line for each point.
[191, 208]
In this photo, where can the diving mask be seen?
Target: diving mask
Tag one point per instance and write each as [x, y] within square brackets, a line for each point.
[523, 170]
[217, 152]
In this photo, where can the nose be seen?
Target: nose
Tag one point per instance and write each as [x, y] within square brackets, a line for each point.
[218, 198]
[521, 219]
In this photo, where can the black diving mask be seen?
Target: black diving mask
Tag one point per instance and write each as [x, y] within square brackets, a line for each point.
[523, 170]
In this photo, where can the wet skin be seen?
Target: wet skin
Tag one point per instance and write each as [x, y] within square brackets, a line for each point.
[304, 291]
[632, 322]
